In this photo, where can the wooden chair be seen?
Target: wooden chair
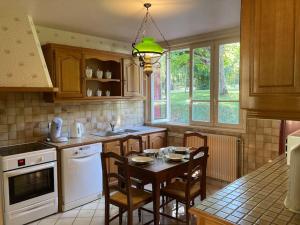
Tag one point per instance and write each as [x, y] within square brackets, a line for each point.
[194, 139]
[125, 151]
[125, 197]
[185, 191]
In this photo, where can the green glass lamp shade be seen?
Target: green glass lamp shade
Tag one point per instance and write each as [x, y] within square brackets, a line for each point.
[147, 46]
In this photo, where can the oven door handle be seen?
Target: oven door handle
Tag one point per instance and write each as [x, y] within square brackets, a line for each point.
[30, 169]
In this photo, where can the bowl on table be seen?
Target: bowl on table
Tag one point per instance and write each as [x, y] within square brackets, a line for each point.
[181, 150]
[151, 151]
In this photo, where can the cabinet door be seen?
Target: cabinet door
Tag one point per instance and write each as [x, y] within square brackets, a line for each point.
[270, 48]
[112, 147]
[68, 73]
[133, 145]
[157, 140]
[132, 78]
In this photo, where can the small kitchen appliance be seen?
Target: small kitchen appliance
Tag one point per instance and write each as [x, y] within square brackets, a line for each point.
[28, 183]
[77, 130]
[55, 130]
[292, 201]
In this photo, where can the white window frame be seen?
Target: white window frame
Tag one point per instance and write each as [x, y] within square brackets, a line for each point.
[168, 113]
[214, 88]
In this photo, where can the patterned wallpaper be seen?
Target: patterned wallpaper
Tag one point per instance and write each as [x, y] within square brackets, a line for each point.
[50, 35]
[22, 63]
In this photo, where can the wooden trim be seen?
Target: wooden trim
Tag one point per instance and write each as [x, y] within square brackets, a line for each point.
[204, 218]
[28, 89]
[211, 36]
[88, 50]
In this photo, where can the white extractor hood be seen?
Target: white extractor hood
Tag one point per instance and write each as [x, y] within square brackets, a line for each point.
[22, 64]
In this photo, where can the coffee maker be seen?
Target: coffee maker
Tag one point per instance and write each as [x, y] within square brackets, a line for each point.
[55, 130]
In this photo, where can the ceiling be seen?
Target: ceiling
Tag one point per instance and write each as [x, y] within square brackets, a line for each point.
[120, 19]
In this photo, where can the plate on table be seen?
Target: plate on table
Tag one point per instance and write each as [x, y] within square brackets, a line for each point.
[174, 157]
[141, 159]
[151, 151]
[181, 150]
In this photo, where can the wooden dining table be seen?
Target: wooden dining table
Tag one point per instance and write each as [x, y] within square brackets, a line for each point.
[156, 173]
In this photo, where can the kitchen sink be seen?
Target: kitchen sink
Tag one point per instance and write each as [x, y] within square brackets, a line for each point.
[114, 133]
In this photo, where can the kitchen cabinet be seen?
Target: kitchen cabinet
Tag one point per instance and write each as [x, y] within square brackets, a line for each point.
[107, 63]
[270, 62]
[65, 71]
[132, 78]
[67, 67]
[157, 140]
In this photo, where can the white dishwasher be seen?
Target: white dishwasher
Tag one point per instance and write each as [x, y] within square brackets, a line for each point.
[81, 175]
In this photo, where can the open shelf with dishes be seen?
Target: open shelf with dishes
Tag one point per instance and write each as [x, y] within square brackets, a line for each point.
[102, 77]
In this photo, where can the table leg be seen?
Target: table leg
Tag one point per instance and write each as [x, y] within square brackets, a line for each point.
[156, 201]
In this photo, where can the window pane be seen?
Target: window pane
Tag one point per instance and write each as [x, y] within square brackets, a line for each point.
[160, 80]
[160, 110]
[201, 111]
[229, 112]
[160, 90]
[179, 85]
[201, 75]
[229, 71]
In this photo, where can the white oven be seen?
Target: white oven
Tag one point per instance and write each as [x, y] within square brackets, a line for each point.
[29, 186]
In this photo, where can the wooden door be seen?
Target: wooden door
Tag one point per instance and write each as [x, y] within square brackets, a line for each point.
[112, 147]
[270, 48]
[68, 73]
[132, 78]
[157, 140]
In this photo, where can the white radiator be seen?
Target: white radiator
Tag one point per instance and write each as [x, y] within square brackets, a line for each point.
[223, 156]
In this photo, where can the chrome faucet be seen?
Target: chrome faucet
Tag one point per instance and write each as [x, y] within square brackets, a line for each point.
[112, 126]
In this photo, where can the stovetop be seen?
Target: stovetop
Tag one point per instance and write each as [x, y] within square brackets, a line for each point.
[23, 148]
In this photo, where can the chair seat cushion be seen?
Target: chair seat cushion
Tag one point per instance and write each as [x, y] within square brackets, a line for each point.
[177, 190]
[138, 197]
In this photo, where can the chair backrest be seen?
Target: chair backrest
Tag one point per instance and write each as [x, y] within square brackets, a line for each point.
[197, 166]
[194, 139]
[124, 182]
[138, 147]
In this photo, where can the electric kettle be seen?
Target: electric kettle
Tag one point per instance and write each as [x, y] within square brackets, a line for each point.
[292, 201]
[55, 130]
[77, 130]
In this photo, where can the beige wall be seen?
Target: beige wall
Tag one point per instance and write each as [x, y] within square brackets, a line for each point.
[260, 142]
[25, 117]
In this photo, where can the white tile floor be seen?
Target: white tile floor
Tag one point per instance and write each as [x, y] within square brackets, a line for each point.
[93, 213]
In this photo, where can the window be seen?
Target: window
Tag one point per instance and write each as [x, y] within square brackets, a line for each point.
[179, 85]
[203, 84]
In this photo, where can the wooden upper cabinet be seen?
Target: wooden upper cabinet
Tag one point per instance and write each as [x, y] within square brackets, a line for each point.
[270, 63]
[68, 73]
[132, 78]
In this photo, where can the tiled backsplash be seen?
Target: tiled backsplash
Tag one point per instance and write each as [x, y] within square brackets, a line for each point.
[261, 143]
[24, 117]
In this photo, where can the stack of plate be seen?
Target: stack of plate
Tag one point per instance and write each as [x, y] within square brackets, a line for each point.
[174, 157]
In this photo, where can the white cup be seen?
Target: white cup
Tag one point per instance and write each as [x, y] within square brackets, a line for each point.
[108, 75]
[88, 72]
[107, 93]
[99, 92]
[99, 74]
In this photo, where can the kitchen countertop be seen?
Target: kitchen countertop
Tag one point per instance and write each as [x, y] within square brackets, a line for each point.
[90, 139]
[256, 198]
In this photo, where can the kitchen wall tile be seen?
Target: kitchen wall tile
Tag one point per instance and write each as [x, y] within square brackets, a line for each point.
[26, 122]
